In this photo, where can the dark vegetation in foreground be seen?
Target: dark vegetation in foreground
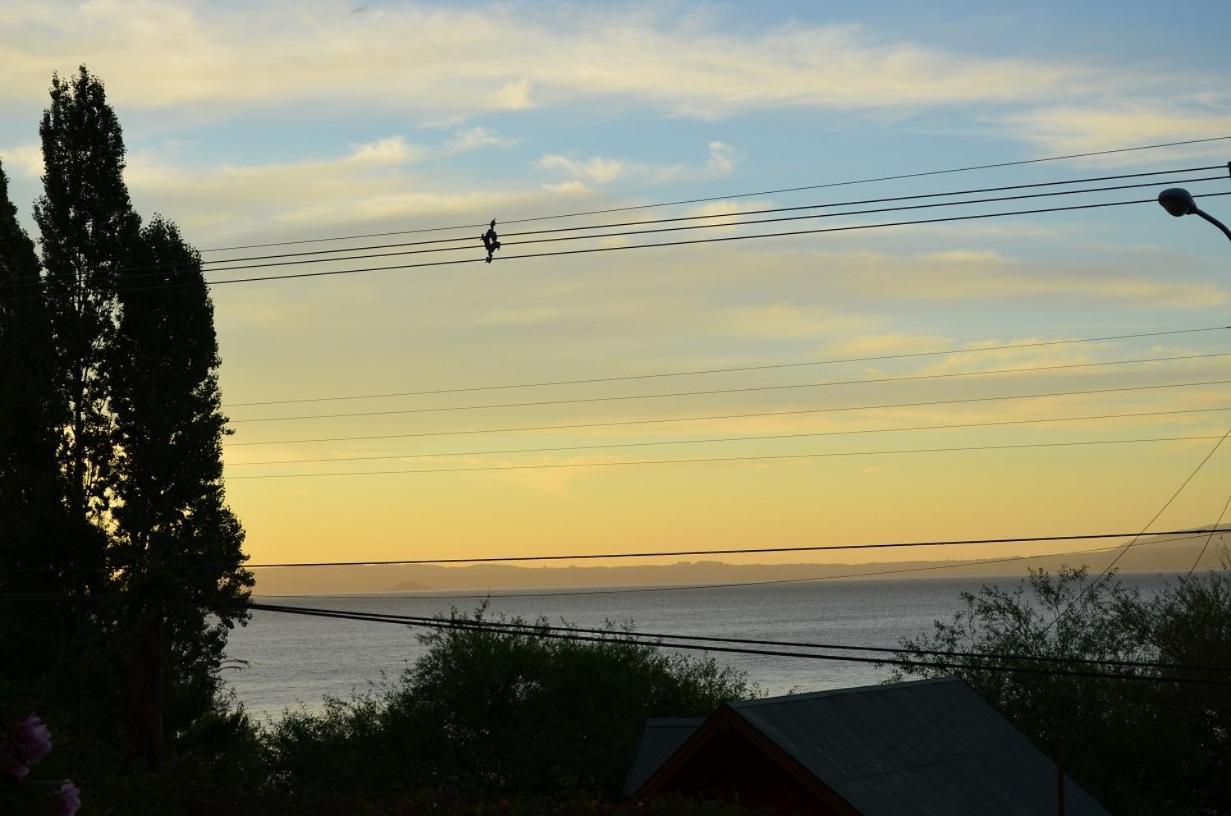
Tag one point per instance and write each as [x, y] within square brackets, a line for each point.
[1138, 747]
[488, 722]
[496, 723]
[484, 722]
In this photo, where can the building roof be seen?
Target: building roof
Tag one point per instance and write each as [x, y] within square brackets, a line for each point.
[920, 747]
[659, 740]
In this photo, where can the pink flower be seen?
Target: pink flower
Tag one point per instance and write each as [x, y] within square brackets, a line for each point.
[32, 739]
[12, 764]
[67, 799]
[28, 742]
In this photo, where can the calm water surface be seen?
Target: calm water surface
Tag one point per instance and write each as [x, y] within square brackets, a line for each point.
[294, 660]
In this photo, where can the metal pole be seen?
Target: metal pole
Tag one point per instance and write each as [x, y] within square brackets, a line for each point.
[1060, 778]
[1215, 222]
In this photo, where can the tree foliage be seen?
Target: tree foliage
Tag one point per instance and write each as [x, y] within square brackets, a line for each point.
[176, 541]
[111, 424]
[500, 713]
[88, 229]
[1140, 747]
[32, 516]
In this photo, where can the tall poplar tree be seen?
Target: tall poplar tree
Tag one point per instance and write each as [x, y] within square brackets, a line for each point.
[178, 542]
[89, 230]
[134, 363]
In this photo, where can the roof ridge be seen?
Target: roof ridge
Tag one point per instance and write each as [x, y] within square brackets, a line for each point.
[808, 695]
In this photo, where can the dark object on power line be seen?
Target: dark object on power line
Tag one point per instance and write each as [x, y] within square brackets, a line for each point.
[491, 241]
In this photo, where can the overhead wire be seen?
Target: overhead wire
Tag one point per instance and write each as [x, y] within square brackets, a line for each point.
[632, 640]
[732, 222]
[1210, 537]
[686, 242]
[727, 215]
[722, 439]
[726, 459]
[751, 415]
[168, 286]
[727, 551]
[128, 274]
[735, 369]
[134, 272]
[532, 628]
[1088, 589]
[946, 565]
[971, 661]
[635, 246]
[1019, 539]
[1170, 500]
[707, 199]
[738, 390]
[643, 231]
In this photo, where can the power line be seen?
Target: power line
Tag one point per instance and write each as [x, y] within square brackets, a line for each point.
[731, 551]
[754, 438]
[715, 216]
[1182, 535]
[794, 412]
[681, 202]
[1166, 505]
[532, 628]
[654, 245]
[739, 390]
[723, 645]
[1089, 588]
[689, 241]
[131, 273]
[947, 565]
[590, 235]
[725, 459]
[1106, 570]
[631, 640]
[1210, 537]
[732, 369]
[134, 273]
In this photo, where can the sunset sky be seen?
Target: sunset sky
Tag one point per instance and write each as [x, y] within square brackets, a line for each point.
[305, 120]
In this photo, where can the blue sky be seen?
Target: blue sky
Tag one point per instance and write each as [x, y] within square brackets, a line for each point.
[272, 121]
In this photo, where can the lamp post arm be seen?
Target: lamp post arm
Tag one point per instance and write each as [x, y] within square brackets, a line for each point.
[1215, 222]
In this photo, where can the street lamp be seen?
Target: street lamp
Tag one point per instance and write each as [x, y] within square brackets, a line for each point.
[1178, 201]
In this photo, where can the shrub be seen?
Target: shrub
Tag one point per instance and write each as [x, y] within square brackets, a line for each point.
[499, 713]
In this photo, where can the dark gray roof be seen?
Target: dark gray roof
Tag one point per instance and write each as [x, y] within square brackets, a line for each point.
[921, 747]
[660, 739]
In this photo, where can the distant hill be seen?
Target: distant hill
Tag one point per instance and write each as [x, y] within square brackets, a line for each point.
[1166, 556]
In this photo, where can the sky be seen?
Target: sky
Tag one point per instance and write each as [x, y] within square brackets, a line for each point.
[261, 122]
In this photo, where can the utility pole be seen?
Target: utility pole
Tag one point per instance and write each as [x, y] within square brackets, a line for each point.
[1060, 777]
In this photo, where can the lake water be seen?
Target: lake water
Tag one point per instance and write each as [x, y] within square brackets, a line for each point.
[294, 660]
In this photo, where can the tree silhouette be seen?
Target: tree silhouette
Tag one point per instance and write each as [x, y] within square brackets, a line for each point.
[88, 231]
[31, 513]
[131, 439]
[178, 543]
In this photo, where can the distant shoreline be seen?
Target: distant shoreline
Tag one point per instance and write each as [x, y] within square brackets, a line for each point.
[481, 579]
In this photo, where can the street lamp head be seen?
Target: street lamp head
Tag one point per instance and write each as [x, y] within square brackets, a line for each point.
[1177, 201]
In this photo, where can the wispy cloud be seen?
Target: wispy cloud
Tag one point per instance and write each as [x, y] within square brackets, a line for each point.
[597, 169]
[371, 183]
[476, 138]
[583, 173]
[392, 150]
[495, 58]
[1070, 129]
